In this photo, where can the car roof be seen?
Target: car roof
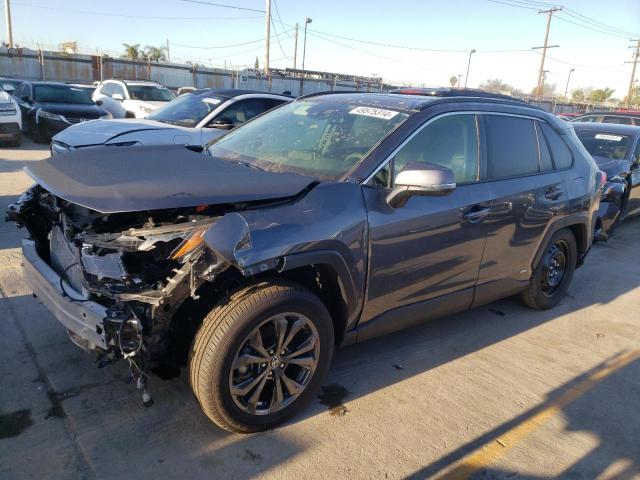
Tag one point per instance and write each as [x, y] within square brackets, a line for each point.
[411, 102]
[607, 127]
[228, 93]
[633, 114]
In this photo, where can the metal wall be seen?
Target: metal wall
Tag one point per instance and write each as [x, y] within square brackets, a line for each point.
[54, 66]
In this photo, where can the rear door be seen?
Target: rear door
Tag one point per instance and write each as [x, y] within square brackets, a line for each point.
[527, 191]
[431, 247]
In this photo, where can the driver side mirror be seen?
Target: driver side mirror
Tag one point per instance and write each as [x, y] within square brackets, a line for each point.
[99, 102]
[421, 179]
[118, 97]
[222, 123]
[8, 88]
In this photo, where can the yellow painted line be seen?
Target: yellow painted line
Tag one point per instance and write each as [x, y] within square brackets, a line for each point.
[496, 448]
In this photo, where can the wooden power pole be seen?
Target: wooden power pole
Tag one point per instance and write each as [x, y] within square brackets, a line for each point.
[267, 38]
[636, 55]
[7, 15]
[550, 12]
[295, 48]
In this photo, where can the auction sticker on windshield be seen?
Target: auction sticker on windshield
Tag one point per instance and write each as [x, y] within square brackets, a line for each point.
[604, 136]
[374, 112]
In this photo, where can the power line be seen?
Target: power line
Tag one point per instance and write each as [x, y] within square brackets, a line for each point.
[278, 38]
[223, 6]
[604, 32]
[224, 46]
[122, 15]
[275, 4]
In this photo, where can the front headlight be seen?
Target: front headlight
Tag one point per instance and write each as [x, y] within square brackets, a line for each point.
[59, 147]
[106, 116]
[49, 115]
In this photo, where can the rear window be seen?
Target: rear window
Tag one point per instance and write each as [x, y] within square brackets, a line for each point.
[617, 120]
[512, 147]
[606, 145]
[561, 154]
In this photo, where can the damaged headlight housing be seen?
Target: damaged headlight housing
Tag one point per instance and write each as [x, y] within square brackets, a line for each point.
[189, 244]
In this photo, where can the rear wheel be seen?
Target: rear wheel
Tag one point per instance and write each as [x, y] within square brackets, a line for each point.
[259, 358]
[36, 133]
[554, 272]
[16, 142]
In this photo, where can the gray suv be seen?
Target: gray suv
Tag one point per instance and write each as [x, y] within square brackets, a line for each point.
[328, 221]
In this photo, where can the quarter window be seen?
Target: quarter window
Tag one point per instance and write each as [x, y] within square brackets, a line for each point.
[107, 89]
[450, 141]
[561, 154]
[512, 147]
[546, 164]
[118, 89]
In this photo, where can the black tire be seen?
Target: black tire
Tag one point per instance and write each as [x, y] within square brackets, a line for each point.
[129, 114]
[542, 293]
[226, 330]
[36, 133]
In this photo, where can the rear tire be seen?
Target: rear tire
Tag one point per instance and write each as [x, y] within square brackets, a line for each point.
[36, 134]
[554, 272]
[227, 356]
[16, 142]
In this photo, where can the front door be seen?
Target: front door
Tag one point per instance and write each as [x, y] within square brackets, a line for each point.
[432, 246]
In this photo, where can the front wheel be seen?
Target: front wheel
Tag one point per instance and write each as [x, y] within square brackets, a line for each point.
[260, 357]
[554, 272]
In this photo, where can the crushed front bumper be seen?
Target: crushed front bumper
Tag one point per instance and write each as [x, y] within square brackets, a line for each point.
[83, 320]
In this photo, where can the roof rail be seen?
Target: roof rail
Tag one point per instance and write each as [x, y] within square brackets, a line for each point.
[455, 92]
[330, 92]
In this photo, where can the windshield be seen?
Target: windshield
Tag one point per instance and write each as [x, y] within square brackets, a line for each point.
[320, 137]
[62, 94]
[607, 145]
[187, 110]
[150, 93]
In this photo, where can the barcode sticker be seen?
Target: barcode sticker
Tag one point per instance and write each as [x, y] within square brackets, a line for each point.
[374, 112]
[604, 136]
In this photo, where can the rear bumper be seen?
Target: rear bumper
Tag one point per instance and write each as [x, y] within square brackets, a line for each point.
[9, 131]
[83, 320]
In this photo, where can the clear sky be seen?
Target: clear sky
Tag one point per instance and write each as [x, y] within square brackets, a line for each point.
[484, 25]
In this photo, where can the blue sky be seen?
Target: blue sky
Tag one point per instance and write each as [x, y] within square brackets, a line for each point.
[451, 25]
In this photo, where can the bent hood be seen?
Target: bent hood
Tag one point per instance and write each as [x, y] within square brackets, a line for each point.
[104, 131]
[157, 177]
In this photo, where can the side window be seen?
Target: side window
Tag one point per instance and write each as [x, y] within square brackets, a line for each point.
[107, 89]
[561, 154]
[546, 164]
[512, 147]
[636, 154]
[450, 141]
[618, 120]
[589, 119]
[243, 110]
[117, 89]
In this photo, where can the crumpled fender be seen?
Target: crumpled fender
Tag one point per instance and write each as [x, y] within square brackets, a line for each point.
[329, 218]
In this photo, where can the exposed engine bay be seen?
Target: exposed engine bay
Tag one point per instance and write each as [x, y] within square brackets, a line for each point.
[141, 274]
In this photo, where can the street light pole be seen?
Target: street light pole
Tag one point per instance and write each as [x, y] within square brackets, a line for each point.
[267, 38]
[471, 52]
[307, 21]
[566, 89]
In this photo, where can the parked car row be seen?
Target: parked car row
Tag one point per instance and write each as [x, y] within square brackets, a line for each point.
[326, 221]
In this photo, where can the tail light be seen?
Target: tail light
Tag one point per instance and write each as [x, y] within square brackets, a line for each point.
[602, 179]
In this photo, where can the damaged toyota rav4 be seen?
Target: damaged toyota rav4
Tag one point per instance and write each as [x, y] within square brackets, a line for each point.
[328, 221]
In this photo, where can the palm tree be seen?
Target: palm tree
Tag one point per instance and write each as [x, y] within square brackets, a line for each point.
[156, 54]
[131, 51]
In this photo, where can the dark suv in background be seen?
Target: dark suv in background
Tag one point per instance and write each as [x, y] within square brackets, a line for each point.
[327, 221]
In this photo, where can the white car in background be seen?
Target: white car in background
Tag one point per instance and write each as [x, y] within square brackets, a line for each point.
[193, 119]
[131, 98]
[10, 117]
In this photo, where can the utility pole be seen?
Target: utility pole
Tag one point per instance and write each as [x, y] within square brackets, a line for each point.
[7, 15]
[267, 38]
[168, 52]
[295, 48]
[459, 78]
[550, 13]
[636, 55]
[471, 52]
[307, 21]
[566, 89]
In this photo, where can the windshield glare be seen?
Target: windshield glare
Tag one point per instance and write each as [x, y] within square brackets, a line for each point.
[62, 94]
[187, 110]
[320, 137]
[606, 145]
[150, 93]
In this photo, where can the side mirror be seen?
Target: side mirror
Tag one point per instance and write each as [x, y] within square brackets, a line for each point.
[421, 179]
[118, 97]
[222, 123]
[8, 88]
[99, 102]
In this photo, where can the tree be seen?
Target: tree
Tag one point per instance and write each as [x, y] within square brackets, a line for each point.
[256, 65]
[601, 94]
[578, 95]
[131, 51]
[635, 96]
[496, 85]
[453, 80]
[548, 90]
[156, 54]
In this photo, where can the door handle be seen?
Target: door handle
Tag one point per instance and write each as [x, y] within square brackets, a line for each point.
[553, 193]
[475, 214]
